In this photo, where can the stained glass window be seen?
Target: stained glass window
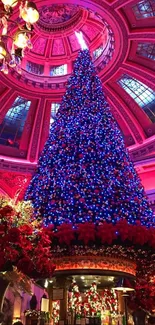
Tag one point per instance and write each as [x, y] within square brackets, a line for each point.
[143, 95]
[98, 52]
[35, 68]
[13, 124]
[144, 9]
[58, 71]
[54, 110]
[147, 50]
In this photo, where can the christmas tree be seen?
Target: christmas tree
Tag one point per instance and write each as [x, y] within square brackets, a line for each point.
[110, 301]
[75, 300]
[93, 300]
[84, 173]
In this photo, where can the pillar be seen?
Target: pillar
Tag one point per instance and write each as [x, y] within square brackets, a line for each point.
[121, 307]
[120, 303]
[62, 284]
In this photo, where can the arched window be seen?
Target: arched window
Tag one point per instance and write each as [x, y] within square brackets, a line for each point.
[34, 68]
[147, 50]
[54, 110]
[13, 124]
[98, 52]
[143, 95]
[144, 9]
[58, 71]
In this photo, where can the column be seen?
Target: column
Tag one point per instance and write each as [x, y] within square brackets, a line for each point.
[120, 307]
[62, 284]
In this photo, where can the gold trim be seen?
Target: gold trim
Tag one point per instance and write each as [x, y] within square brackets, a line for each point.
[95, 263]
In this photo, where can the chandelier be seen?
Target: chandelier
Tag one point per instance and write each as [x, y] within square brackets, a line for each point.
[13, 45]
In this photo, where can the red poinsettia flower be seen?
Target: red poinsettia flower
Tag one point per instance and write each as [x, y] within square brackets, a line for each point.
[48, 230]
[11, 254]
[106, 232]
[26, 245]
[139, 234]
[2, 260]
[86, 232]
[124, 230]
[44, 239]
[25, 265]
[45, 267]
[151, 237]
[6, 211]
[65, 234]
[26, 229]
[2, 230]
[14, 235]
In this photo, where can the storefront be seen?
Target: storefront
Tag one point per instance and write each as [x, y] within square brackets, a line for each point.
[83, 290]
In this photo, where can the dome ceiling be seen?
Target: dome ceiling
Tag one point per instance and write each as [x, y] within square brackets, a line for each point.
[55, 14]
[54, 40]
[121, 38]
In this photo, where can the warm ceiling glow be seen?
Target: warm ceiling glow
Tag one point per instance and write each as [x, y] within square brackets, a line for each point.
[82, 277]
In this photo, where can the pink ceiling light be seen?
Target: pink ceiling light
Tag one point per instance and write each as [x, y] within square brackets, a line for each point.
[12, 46]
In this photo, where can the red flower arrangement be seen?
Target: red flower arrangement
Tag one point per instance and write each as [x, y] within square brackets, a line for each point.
[144, 295]
[65, 234]
[106, 233]
[24, 243]
[86, 232]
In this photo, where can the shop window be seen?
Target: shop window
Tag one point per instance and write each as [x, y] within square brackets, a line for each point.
[34, 68]
[147, 50]
[143, 95]
[13, 124]
[54, 110]
[144, 9]
[58, 71]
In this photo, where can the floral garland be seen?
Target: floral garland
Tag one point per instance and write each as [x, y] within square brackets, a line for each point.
[105, 233]
[28, 245]
[24, 243]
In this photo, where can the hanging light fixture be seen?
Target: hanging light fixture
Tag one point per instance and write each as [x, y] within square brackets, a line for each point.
[11, 55]
[29, 13]
[20, 39]
[10, 3]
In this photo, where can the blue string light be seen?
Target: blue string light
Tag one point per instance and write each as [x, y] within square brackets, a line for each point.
[84, 172]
